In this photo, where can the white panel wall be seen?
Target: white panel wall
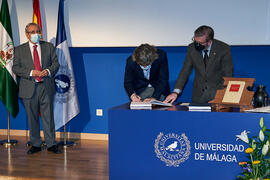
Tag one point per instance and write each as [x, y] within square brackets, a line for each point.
[160, 22]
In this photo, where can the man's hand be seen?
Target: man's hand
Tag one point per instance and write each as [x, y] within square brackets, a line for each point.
[44, 73]
[36, 73]
[149, 99]
[135, 98]
[171, 98]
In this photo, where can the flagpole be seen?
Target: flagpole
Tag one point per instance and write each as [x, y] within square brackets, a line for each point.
[66, 143]
[8, 142]
[64, 70]
[8, 127]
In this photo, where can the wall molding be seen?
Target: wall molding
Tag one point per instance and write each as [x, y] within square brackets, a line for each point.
[70, 135]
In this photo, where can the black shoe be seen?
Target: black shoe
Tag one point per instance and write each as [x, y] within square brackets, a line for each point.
[33, 150]
[55, 149]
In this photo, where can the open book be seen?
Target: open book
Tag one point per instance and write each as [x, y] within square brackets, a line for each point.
[148, 105]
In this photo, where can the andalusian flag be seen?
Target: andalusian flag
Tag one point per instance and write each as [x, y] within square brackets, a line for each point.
[36, 14]
[66, 104]
[8, 83]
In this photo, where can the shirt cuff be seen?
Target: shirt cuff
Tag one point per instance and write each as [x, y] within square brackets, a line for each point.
[49, 73]
[177, 91]
[132, 95]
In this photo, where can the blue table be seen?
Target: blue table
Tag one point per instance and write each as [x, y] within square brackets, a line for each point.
[160, 144]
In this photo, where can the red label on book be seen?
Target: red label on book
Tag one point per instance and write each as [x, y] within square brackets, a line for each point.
[234, 87]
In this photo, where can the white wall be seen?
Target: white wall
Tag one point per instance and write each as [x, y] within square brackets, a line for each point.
[160, 22]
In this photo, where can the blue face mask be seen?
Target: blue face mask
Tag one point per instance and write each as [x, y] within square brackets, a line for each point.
[35, 38]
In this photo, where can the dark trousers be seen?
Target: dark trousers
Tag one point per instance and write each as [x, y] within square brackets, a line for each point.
[43, 103]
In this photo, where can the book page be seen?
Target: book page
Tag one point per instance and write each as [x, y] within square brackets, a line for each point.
[265, 109]
[160, 103]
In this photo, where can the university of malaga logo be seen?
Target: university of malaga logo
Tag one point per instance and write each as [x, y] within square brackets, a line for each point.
[172, 148]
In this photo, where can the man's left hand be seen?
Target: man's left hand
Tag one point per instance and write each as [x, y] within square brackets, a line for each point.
[44, 73]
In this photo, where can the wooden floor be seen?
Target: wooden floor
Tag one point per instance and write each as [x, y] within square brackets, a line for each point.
[88, 159]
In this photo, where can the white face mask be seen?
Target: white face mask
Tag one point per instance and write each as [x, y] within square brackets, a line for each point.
[35, 38]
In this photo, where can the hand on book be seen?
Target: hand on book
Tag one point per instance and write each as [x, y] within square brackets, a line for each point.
[171, 98]
[135, 98]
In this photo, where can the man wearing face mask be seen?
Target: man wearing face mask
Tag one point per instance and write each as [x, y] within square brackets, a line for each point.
[211, 59]
[147, 74]
[36, 63]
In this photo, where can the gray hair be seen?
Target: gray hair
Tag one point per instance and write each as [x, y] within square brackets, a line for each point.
[204, 30]
[31, 24]
[145, 54]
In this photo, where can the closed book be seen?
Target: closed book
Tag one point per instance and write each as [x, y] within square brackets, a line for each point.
[140, 105]
[194, 106]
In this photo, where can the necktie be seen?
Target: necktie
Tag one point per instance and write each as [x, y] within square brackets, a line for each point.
[146, 71]
[36, 62]
[205, 58]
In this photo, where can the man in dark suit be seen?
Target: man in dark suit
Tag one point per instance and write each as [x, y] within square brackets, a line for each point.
[211, 59]
[36, 63]
[147, 74]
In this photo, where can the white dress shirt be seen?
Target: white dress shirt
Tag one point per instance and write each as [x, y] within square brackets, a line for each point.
[31, 46]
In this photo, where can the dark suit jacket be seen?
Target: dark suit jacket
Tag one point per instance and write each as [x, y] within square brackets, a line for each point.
[159, 76]
[24, 63]
[208, 80]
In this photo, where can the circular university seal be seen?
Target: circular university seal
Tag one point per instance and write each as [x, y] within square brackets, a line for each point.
[172, 148]
[64, 84]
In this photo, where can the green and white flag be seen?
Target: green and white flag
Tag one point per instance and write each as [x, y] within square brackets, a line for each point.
[8, 83]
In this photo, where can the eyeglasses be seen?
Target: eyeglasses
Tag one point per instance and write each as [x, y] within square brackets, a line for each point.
[34, 32]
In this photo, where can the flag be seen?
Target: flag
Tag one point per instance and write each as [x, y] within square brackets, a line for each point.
[8, 82]
[66, 105]
[36, 15]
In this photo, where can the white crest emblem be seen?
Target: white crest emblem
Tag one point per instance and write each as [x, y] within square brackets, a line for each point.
[172, 148]
[6, 55]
